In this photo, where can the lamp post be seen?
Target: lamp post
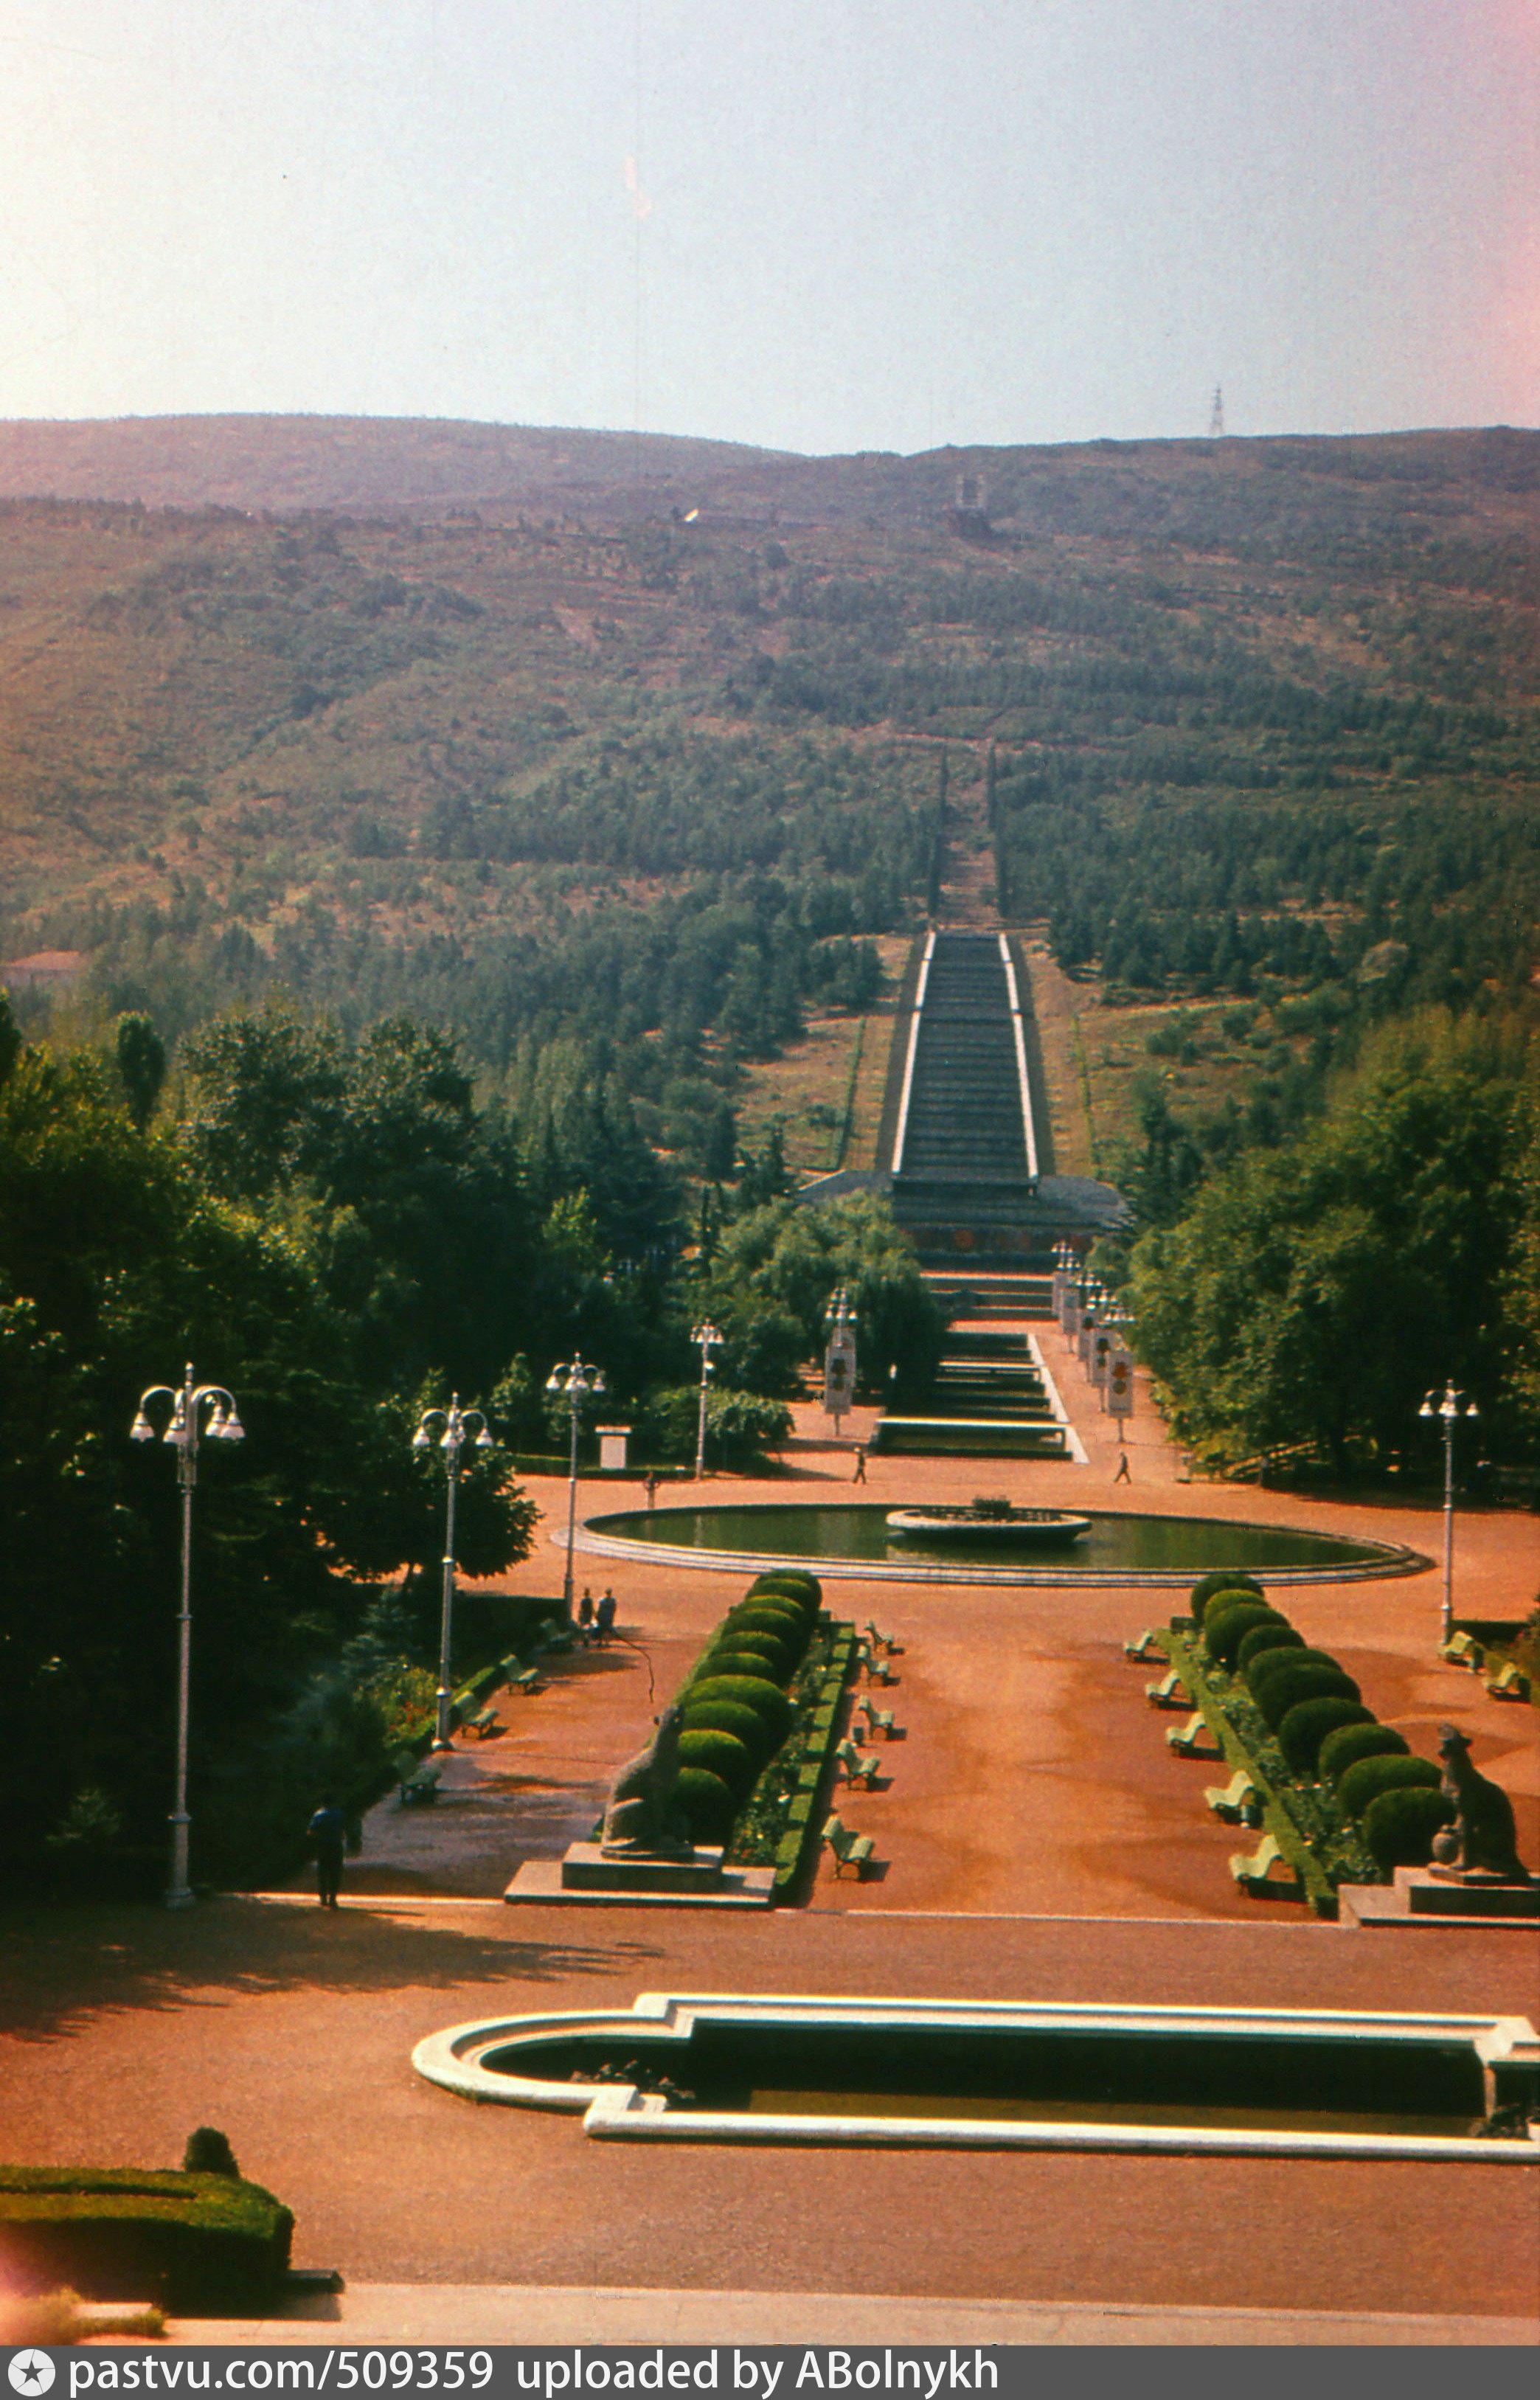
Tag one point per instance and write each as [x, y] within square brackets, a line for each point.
[706, 1338]
[839, 1356]
[456, 1423]
[573, 1383]
[1447, 1410]
[197, 1409]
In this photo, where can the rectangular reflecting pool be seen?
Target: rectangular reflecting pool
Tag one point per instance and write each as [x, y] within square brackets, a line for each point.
[744, 2068]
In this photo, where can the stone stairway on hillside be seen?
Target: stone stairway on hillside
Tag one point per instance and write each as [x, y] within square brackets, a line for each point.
[988, 1401]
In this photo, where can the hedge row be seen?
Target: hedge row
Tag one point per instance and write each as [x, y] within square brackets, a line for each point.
[1316, 1713]
[191, 2242]
[737, 1712]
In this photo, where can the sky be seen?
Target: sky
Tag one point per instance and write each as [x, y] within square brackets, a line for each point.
[824, 225]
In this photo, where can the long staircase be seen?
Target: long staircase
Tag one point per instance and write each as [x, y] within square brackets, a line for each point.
[988, 1401]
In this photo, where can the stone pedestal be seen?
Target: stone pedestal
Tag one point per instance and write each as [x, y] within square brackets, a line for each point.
[585, 1876]
[1440, 1896]
[587, 1867]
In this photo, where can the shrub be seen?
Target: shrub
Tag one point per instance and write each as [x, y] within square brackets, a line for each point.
[720, 1753]
[1341, 1750]
[771, 1616]
[1223, 1628]
[1279, 1635]
[729, 1716]
[1225, 1579]
[1307, 1724]
[768, 1702]
[1274, 1662]
[1361, 1785]
[1291, 1685]
[787, 1635]
[731, 1660]
[1400, 1826]
[795, 1582]
[198, 2242]
[709, 1807]
[208, 2153]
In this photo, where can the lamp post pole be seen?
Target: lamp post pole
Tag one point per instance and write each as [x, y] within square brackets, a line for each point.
[189, 1402]
[1447, 1407]
[456, 1423]
[706, 1339]
[573, 1383]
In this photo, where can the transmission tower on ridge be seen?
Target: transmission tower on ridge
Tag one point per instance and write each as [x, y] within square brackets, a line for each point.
[1215, 417]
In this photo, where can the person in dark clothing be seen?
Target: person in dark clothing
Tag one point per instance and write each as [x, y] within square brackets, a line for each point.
[328, 1838]
[585, 1617]
[604, 1616]
[860, 1475]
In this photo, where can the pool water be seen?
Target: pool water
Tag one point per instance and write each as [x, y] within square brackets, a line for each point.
[1120, 1544]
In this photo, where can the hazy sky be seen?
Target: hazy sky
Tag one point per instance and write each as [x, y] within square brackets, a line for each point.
[823, 225]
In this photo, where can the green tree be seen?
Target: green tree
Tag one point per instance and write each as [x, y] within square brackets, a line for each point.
[1317, 1292]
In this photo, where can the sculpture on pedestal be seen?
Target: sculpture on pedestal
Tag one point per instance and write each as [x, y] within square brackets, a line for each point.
[642, 1815]
[1481, 1839]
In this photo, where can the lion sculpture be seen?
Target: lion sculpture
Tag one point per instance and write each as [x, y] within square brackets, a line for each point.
[1482, 1837]
[643, 1816]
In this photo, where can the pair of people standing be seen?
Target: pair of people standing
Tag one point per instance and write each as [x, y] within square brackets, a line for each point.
[595, 1618]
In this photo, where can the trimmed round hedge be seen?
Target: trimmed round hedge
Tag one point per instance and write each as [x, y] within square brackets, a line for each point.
[1275, 1662]
[763, 1665]
[768, 1702]
[1223, 1629]
[789, 1634]
[729, 1716]
[1307, 1724]
[1340, 1751]
[1279, 1635]
[1220, 1580]
[1359, 1786]
[708, 1805]
[1399, 1827]
[720, 1753]
[780, 1616]
[804, 1589]
[1291, 1685]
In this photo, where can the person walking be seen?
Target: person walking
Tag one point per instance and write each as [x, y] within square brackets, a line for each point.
[1123, 1475]
[860, 1475]
[604, 1615]
[328, 1831]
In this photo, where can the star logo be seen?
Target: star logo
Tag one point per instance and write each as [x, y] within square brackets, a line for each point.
[32, 2373]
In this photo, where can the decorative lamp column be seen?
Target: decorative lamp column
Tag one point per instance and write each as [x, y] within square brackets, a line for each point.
[839, 1356]
[707, 1340]
[573, 1383]
[456, 1423]
[198, 1410]
[1447, 1409]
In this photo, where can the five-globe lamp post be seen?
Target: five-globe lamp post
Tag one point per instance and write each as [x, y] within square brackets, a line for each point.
[707, 1338]
[1447, 1409]
[573, 1383]
[456, 1423]
[198, 1411]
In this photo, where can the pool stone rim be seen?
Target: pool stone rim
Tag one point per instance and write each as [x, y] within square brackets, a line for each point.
[1390, 1558]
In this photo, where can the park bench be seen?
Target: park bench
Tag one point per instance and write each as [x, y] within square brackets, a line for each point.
[1509, 1684]
[557, 1639]
[1193, 1739]
[878, 1720]
[1461, 1651]
[1235, 1801]
[849, 1849]
[526, 1679]
[1142, 1646]
[482, 1724]
[883, 1641]
[876, 1670]
[1169, 1692]
[856, 1763]
[1253, 1871]
[418, 1783]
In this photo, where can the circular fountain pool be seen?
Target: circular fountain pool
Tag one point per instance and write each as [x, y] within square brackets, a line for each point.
[1121, 1548]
